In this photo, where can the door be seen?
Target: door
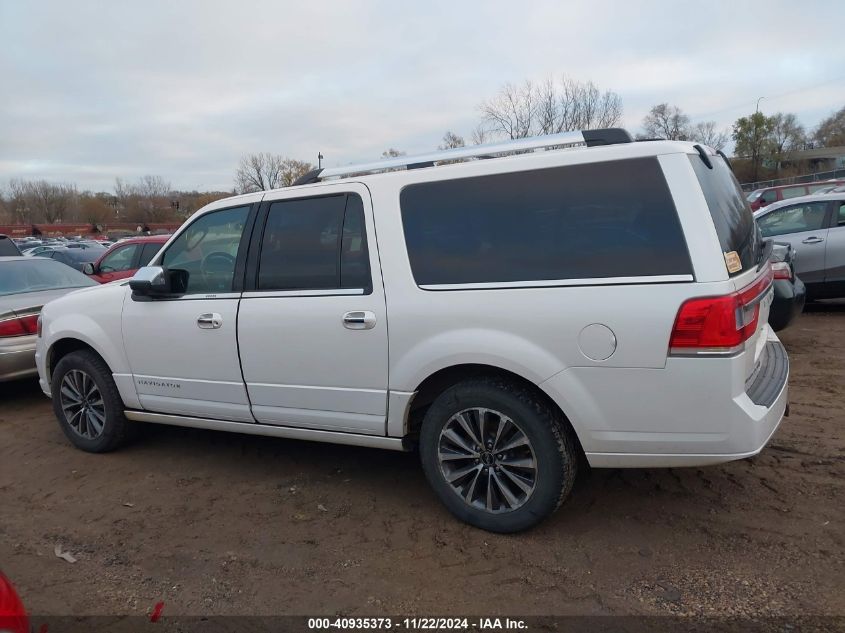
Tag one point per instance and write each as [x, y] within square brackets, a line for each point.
[835, 252]
[183, 352]
[312, 326]
[804, 226]
[118, 264]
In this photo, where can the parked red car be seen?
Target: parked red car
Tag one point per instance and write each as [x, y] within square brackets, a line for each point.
[124, 258]
[760, 198]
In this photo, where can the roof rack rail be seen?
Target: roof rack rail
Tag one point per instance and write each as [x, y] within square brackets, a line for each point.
[590, 138]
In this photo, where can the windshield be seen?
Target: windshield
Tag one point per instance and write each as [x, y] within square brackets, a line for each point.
[729, 209]
[754, 195]
[39, 274]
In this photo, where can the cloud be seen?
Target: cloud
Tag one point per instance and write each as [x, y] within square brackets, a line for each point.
[95, 90]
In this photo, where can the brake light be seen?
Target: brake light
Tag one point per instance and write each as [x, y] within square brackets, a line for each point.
[781, 270]
[19, 325]
[719, 325]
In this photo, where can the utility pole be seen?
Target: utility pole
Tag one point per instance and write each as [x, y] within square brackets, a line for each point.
[319, 160]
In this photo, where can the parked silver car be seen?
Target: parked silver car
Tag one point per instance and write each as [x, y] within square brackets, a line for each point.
[815, 227]
[26, 284]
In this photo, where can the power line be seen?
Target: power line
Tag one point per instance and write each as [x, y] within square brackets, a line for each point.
[768, 98]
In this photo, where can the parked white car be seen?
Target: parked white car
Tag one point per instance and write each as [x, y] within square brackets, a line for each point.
[544, 301]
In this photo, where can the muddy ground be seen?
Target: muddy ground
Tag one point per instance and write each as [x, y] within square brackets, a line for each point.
[213, 523]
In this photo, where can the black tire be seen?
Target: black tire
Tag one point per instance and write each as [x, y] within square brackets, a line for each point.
[116, 429]
[552, 446]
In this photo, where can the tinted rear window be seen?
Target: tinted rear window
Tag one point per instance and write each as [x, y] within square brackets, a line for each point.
[729, 209]
[8, 247]
[611, 219]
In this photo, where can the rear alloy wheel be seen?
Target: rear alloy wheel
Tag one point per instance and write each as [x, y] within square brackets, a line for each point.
[87, 403]
[487, 460]
[497, 454]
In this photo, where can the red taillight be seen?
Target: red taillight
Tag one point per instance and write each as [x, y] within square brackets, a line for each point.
[719, 324]
[19, 326]
[781, 270]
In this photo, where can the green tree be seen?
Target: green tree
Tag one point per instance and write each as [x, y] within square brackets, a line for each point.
[752, 135]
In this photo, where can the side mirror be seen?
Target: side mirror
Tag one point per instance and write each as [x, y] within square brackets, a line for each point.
[88, 268]
[156, 282]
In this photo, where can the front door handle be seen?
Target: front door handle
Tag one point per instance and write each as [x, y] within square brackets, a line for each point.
[209, 321]
[813, 240]
[359, 320]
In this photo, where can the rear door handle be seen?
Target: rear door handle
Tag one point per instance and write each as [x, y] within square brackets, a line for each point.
[359, 320]
[209, 321]
[812, 240]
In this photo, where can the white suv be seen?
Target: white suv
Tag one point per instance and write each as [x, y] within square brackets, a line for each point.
[512, 310]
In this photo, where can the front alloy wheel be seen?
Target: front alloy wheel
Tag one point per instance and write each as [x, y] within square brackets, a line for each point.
[82, 404]
[87, 403]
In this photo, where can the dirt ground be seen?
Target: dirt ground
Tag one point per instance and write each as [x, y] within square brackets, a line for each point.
[213, 523]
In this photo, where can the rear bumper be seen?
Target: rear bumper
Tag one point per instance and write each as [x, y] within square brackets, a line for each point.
[17, 358]
[696, 411]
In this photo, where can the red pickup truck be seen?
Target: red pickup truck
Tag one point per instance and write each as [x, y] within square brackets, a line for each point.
[124, 258]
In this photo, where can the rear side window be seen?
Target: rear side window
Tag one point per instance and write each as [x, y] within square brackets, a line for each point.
[8, 247]
[769, 196]
[794, 219]
[611, 219]
[793, 192]
[729, 209]
[120, 259]
[315, 244]
[148, 252]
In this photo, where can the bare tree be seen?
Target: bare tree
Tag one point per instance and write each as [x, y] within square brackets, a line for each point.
[259, 172]
[451, 141]
[392, 153]
[707, 134]
[665, 121]
[265, 171]
[513, 111]
[291, 169]
[480, 134]
[147, 200]
[41, 201]
[831, 131]
[550, 107]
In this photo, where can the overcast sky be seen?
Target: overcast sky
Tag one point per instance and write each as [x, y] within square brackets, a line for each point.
[94, 90]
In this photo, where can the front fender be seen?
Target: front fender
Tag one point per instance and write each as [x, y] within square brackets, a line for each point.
[92, 317]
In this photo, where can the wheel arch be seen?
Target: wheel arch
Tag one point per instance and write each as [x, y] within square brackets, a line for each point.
[441, 380]
[64, 346]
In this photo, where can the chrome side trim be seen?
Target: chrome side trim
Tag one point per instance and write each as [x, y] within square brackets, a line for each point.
[328, 292]
[251, 428]
[563, 283]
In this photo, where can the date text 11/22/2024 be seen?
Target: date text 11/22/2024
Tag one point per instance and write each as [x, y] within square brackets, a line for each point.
[417, 624]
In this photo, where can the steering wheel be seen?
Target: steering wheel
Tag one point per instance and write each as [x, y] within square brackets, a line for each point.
[217, 268]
